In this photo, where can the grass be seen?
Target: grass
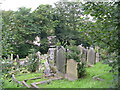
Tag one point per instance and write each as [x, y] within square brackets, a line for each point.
[86, 82]
[24, 76]
[9, 84]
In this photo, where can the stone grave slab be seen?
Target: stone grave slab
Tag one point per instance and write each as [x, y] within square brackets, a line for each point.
[72, 73]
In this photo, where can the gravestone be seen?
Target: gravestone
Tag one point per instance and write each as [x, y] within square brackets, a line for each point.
[11, 57]
[71, 73]
[97, 57]
[81, 49]
[83, 53]
[91, 56]
[38, 55]
[97, 53]
[18, 61]
[51, 55]
[61, 59]
[47, 68]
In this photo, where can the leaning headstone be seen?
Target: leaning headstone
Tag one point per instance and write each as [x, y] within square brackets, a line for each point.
[71, 73]
[91, 56]
[60, 59]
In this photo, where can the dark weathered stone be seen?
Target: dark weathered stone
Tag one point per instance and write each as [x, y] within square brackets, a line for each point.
[91, 56]
[83, 54]
[60, 59]
[51, 55]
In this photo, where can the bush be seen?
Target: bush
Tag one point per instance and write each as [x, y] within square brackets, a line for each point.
[33, 62]
[74, 53]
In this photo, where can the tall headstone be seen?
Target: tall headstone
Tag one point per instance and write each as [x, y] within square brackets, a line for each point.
[61, 59]
[18, 61]
[97, 57]
[72, 72]
[81, 49]
[11, 57]
[97, 53]
[91, 56]
[83, 53]
[51, 55]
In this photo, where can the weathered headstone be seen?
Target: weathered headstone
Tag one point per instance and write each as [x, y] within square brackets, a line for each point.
[11, 57]
[38, 54]
[97, 57]
[83, 53]
[18, 61]
[81, 49]
[47, 70]
[91, 56]
[51, 55]
[97, 53]
[72, 73]
[60, 59]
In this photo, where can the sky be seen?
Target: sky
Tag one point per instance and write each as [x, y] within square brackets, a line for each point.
[15, 4]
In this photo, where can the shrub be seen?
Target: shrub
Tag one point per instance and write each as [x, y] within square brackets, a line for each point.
[74, 53]
[33, 62]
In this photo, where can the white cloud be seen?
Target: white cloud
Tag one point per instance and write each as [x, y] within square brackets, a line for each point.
[15, 4]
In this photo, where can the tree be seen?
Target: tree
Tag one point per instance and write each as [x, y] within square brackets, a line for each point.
[7, 47]
[104, 31]
[69, 17]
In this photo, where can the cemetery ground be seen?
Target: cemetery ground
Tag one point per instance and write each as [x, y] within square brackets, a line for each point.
[97, 76]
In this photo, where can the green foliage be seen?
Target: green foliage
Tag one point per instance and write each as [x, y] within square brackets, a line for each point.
[81, 70]
[105, 30]
[73, 53]
[9, 84]
[33, 62]
[68, 21]
[44, 46]
[7, 67]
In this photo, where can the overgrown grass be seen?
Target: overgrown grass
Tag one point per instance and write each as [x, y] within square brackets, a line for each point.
[24, 76]
[86, 82]
[9, 84]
